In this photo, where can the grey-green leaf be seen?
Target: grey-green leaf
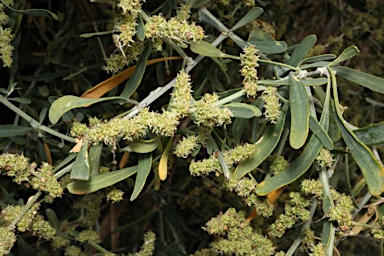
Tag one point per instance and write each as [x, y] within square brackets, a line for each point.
[101, 181]
[62, 105]
[143, 169]
[301, 50]
[207, 49]
[372, 134]
[264, 146]
[81, 168]
[269, 46]
[347, 54]
[250, 16]
[243, 110]
[299, 107]
[10, 130]
[143, 146]
[320, 133]
[372, 82]
[198, 3]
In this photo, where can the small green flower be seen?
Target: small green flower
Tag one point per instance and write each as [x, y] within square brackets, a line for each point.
[248, 71]
[87, 236]
[272, 105]
[185, 146]
[7, 240]
[324, 159]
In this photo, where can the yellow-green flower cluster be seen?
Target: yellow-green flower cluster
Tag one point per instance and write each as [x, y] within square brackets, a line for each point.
[272, 105]
[6, 36]
[248, 71]
[312, 187]
[294, 210]
[129, 129]
[184, 12]
[91, 204]
[278, 164]
[175, 29]
[148, 246]
[212, 164]
[246, 189]
[203, 113]
[74, 251]
[31, 221]
[182, 95]
[324, 159]
[115, 195]
[236, 236]
[21, 170]
[378, 232]
[185, 146]
[124, 56]
[88, 236]
[342, 210]
[7, 240]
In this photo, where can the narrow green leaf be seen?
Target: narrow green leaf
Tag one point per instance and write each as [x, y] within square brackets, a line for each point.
[102, 33]
[62, 105]
[20, 100]
[81, 169]
[238, 128]
[140, 29]
[305, 82]
[302, 163]
[301, 50]
[243, 110]
[101, 181]
[250, 16]
[317, 58]
[372, 170]
[347, 54]
[372, 82]
[206, 17]
[64, 162]
[52, 218]
[135, 80]
[372, 134]
[269, 46]
[143, 169]
[143, 146]
[10, 130]
[328, 237]
[198, 3]
[94, 158]
[264, 146]
[207, 49]
[260, 35]
[299, 106]
[222, 69]
[320, 133]
[33, 12]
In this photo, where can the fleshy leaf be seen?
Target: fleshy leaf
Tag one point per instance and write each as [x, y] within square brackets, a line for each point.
[81, 168]
[143, 169]
[372, 134]
[347, 54]
[10, 130]
[207, 49]
[250, 16]
[243, 110]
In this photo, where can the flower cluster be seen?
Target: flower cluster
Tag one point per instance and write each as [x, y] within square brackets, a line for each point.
[115, 195]
[31, 221]
[294, 210]
[21, 170]
[236, 236]
[87, 236]
[246, 188]
[182, 95]
[6, 36]
[248, 71]
[7, 238]
[212, 164]
[185, 146]
[309, 244]
[91, 204]
[278, 164]
[272, 105]
[148, 246]
[176, 28]
[324, 159]
[204, 113]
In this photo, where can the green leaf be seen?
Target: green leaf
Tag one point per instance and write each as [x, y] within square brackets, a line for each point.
[52, 218]
[317, 58]
[10, 130]
[33, 12]
[238, 128]
[372, 82]
[243, 110]
[269, 46]
[81, 169]
[320, 133]
[62, 105]
[140, 29]
[222, 69]
[135, 80]
[264, 146]
[207, 49]
[20, 100]
[302, 163]
[301, 50]
[250, 16]
[64, 162]
[101, 181]
[143, 146]
[305, 82]
[94, 158]
[372, 134]
[206, 17]
[299, 106]
[347, 54]
[198, 3]
[102, 33]
[371, 168]
[260, 35]
[143, 169]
